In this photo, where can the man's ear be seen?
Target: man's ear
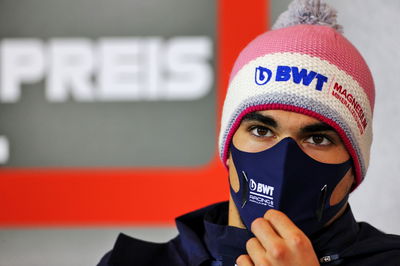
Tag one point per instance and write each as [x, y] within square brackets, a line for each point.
[227, 159]
[353, 184]
[342, 188]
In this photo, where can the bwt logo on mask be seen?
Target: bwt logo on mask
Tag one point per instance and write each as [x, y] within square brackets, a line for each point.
[285, 73]
[261, 188]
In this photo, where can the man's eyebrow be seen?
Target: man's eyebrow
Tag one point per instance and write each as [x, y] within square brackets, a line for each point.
[317, 127]
[265, 119]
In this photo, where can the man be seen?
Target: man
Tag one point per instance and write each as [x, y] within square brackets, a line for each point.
[262, 130]
[296, 132]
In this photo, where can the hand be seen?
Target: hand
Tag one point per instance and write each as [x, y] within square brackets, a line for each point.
[278, 241]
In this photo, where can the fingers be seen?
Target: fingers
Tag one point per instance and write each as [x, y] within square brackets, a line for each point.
[277, 241]
[267, 236]
[282, 225]
[277, 234]
[256, 251]
[244, 260]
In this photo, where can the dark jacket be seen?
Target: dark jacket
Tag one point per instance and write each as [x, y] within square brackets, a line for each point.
[205, 239]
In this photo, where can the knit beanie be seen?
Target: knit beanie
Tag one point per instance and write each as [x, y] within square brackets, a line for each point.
[304, 65]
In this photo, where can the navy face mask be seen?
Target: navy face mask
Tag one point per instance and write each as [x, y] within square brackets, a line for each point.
[285, 178]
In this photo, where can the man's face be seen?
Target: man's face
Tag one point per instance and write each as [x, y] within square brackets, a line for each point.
[261, 130]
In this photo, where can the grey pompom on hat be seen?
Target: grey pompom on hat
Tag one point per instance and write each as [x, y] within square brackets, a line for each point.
[308, 12]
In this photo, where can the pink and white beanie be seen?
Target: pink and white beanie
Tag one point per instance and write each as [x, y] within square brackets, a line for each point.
[305, 65]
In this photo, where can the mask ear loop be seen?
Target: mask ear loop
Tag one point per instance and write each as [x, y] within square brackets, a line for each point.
[321, 202]
[244, 182]
[243, 189]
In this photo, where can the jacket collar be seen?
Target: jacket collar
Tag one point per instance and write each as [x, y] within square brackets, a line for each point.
[333, 239]
[206, 236]
[191, 230]
[225, 243]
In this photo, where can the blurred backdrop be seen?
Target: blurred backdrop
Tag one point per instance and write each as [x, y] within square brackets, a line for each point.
[109, 117]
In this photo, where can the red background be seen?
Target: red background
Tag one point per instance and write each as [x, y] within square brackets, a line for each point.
[105, 196]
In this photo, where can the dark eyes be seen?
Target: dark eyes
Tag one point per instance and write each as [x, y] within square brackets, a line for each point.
[320, 140]
[260, 131]
[264, 132]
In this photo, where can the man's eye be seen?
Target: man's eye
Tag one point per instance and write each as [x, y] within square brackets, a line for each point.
[318, 140]
[259, 131]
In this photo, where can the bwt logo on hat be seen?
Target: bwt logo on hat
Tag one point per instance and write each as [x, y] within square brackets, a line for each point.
[262, 75]
[285, 73]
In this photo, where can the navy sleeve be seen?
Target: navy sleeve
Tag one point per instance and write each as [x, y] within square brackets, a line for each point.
[130, 251]
[104, 260]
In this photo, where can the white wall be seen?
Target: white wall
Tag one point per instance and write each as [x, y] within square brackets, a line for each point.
[374, 28]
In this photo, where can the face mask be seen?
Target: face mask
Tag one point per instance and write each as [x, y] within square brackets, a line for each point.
[284, 178]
